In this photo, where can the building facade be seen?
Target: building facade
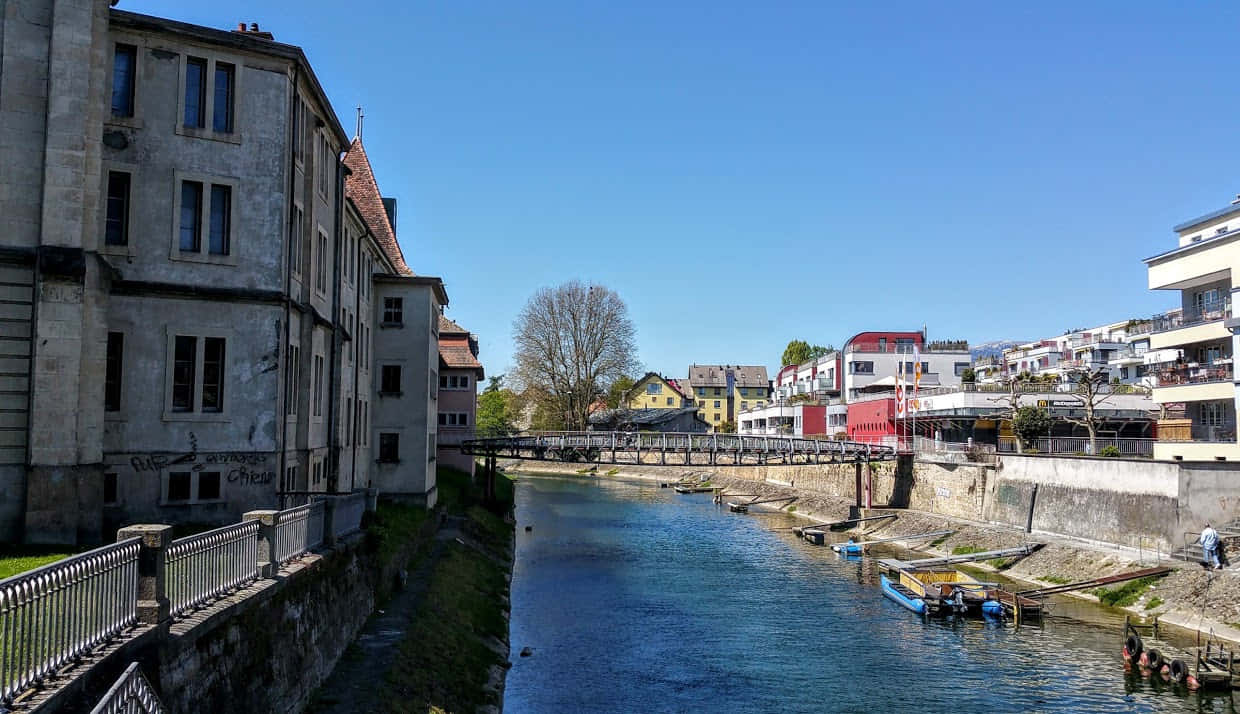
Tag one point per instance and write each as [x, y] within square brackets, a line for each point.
[654, 391]
[871, 361]
[1198, 341]
[460, 373]
[722, 391]
[191, 304]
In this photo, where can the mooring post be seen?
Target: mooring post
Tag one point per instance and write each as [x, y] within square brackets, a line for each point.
[613, 447]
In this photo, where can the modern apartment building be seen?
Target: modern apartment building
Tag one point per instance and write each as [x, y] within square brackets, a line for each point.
[191, 277]
[820, 378]
[1117, 350]
[460, 372]
[871, 361]
[722, 391]
[1202, 337]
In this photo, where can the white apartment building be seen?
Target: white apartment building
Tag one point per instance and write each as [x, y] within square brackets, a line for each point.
[1201, 336]
[871, 361]
[1119, 350]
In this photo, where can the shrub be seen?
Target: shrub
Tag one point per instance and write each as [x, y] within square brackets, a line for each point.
[840, 436]
[1110, 451]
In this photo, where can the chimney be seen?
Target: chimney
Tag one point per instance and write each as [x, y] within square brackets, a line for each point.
[389, 207]
[253, 31]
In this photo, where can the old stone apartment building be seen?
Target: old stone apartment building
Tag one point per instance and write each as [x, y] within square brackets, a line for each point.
[203, 306]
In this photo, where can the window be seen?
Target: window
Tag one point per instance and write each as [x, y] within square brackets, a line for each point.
[299, 114]
[292, 377]
[701, 391]
[861, 367]
[716, 403]
[654, 388]
[178, 486]
[393, 310]
[718, 391]
[744, 405]
[443, 382]
[669, 401]
[390, 379]
[109, 488]
[453, 419]
[222, 111]
[198, 373]
[213, 375]
[124, 70]
[191, 216]
[116, 223]
[294, 239]
[184, 355]
[318, 385]
[324, 159]
[320, 272]
[112, 372]
[204, 208]
[1213, 413]
[389, 447]
[290, 479]
[454, 381]
[208, 485]
[960, 367]
[195, 93]
[221, 217]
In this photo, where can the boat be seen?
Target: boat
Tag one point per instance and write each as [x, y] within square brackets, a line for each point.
[902, 595]
[849, 548]
[948, 591]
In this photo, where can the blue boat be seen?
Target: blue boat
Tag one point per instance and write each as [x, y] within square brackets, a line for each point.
[849, 548]
[903, 595]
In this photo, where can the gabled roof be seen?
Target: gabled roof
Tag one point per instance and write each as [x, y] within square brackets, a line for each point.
[361, 188]
[458, 349]
[716, 375]
[671, 383]
[448, 327]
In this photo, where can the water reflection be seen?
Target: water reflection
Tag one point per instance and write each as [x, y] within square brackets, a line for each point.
[634, 598]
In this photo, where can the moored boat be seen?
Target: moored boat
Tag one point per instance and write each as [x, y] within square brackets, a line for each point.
[849, 548]
[947, 590]
[902, 595]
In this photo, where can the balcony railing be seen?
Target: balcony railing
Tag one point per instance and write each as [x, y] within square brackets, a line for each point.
[1199, 314]
[1195, 374]
[905, 349]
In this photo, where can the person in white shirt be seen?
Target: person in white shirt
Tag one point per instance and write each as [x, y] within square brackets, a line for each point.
[1209, 546]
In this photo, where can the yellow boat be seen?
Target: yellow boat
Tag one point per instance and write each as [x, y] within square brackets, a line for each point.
[947, 590]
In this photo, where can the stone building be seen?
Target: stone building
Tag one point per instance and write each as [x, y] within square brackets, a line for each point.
[192, 282]
[460, 372]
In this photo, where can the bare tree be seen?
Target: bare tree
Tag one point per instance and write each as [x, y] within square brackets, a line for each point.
[1090, 390]
[1010, 402]
[572, 342]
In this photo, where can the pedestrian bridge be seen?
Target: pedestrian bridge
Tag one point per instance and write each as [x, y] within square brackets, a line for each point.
[675, 449]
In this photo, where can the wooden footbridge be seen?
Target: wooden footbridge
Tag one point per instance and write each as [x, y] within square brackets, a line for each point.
[674, 449]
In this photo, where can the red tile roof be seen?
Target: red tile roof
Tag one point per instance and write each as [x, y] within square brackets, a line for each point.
[361, 188]
[454, 353]
[448, 327]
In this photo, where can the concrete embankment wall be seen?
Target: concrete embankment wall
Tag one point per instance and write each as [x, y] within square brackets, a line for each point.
[1131, 502]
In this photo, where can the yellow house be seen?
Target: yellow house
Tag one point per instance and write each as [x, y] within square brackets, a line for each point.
[654, 392]
[723, 390]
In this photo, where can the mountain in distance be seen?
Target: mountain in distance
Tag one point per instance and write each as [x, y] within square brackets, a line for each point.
[993, 348]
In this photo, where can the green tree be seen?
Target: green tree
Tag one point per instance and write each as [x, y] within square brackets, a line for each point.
[800, 352]
[615, 393]
[727, 427]
[968, 376]
[1031, 423]
[498, 409]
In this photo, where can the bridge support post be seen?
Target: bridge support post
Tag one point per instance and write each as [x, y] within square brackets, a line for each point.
[153, 605]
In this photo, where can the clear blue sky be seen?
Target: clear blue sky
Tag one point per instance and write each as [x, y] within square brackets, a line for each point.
[748, 173]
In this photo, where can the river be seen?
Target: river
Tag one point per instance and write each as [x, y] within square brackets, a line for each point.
[635, 599]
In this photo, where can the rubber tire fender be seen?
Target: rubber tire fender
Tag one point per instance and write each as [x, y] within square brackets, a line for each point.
[1155, 659]
[1179, 671]
[1133, 646]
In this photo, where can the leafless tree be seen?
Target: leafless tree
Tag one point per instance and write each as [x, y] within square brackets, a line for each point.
[572, 342]
[1009, 403]
[1091, 391]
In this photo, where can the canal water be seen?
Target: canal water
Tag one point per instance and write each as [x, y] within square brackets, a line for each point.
[635, 599]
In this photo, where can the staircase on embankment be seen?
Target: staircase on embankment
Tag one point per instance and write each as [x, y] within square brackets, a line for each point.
[1193, 553]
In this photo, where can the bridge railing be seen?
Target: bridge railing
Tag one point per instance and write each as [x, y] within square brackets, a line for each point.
[53, 615]
[209, 565]
[670, 441]
[131, 694]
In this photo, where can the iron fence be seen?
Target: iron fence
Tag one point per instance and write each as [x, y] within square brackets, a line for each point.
[204, 567]
[298, 531]
[131, 694]
[55, 614]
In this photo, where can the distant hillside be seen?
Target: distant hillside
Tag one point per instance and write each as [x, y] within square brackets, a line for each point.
[993, 348]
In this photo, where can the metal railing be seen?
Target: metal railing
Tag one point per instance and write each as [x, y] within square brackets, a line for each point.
[1080, 445]
[550, 444]
[1208, 311]
[298, 531]
[131, 694]
[204, 567]
[57, 613]
[1204, 374]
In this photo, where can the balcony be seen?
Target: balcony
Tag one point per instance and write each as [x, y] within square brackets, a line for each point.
[1196, 383]
[1200, 323]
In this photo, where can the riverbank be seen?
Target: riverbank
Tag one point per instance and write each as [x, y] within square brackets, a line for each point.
[440, 643]
[1189, 598]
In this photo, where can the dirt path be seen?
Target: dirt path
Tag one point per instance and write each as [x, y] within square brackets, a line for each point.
[358, 679]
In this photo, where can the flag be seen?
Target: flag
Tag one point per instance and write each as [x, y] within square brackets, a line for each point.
[916, 374]
[900, 406]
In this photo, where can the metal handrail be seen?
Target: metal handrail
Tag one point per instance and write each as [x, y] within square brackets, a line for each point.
[207, 566]
[56, 613]
[131, 694]
[298, 531]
